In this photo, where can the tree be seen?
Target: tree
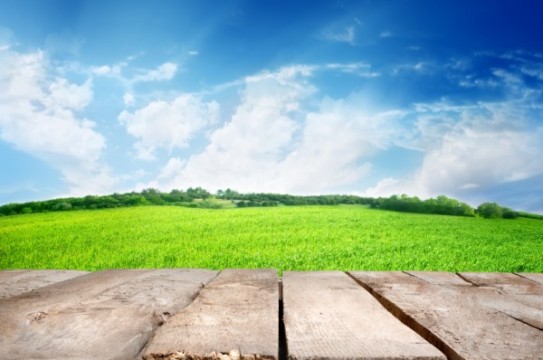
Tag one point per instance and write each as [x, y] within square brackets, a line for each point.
[509, 213]
[490, 210]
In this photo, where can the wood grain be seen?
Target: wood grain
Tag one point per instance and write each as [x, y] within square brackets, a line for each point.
[328, 315]
[15, 282]
[234, 317]
[439, 278]
[465, 322]
[102, 315]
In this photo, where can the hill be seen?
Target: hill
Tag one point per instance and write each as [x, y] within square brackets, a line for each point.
[287, 238]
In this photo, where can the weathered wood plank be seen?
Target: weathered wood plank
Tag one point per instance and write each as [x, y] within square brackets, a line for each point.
[490, 279]
[103, 315]
[234, 316]
[439, 278]
[522, 297]
[15, 282]
[328, 315]
[465, 322]
[537, 277]
[391, 277]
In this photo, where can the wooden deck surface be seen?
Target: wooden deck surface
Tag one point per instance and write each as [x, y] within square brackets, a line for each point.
[254, 314]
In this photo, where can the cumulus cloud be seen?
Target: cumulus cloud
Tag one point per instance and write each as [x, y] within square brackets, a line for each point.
[336, 146]
[275, 142]
[38, 115]
[168, 124]
[470, 147]
[259, 133]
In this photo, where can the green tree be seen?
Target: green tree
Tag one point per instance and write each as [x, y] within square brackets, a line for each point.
[490, 210]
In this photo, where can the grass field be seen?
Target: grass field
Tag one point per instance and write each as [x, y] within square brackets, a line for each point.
[285, 238]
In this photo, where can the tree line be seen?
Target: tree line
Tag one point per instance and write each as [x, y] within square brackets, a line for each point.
[201, 198]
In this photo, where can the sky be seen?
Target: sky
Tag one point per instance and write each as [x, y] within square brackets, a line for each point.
[371, 98]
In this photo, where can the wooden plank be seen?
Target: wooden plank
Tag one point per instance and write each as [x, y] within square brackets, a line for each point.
[464, 322]
[235, 316]
[522, 297]
[490, 279]
[327, 315]
[390, 277]
[537, 277]
[15, 282]
[439, 278]
[103, 315]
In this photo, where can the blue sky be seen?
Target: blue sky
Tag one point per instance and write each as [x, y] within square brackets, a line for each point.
[305, 97]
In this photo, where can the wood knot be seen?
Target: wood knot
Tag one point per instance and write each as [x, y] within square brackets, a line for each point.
[37, 316]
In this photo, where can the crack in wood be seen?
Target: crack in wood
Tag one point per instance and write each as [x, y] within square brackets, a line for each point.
[410, 322]
[161, 319]
[527, 278]
[520, 320]
[415, 276]
[467, 280]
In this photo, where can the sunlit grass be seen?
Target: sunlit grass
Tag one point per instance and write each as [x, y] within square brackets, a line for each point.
[285, 238]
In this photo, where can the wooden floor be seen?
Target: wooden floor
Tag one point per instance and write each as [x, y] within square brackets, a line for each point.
[253, 314]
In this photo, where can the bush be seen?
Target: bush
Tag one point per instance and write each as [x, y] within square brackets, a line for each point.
[509, 214]
[490, 210]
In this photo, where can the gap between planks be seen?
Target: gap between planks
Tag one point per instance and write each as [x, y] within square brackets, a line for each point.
[410, 322]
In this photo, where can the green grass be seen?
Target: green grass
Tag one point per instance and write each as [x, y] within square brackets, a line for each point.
[285, 238]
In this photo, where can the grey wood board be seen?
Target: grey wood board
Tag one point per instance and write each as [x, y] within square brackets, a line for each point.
[521, 298]
[537, 277]
[391, 277]
[493, 278]
[103, 315]
[327, 315]
[439, 278]
[235, 315]
[467, 322]
[15, 282]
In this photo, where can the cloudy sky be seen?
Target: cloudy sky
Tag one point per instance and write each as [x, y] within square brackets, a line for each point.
[306, 97]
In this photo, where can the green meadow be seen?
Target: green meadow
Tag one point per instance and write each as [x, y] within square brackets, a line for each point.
[285, 238]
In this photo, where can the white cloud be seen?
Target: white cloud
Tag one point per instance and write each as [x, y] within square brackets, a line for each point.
[194, 53]
[71, 96]
[172, 168]
[165, 71]
[422, 67]
[168, 124]
[533, 71]
[358, 69]
[102, 70]
[37, 116]
[128, 99]
[345, 35]
[243, 151]
[273, 142]
[479, 147]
